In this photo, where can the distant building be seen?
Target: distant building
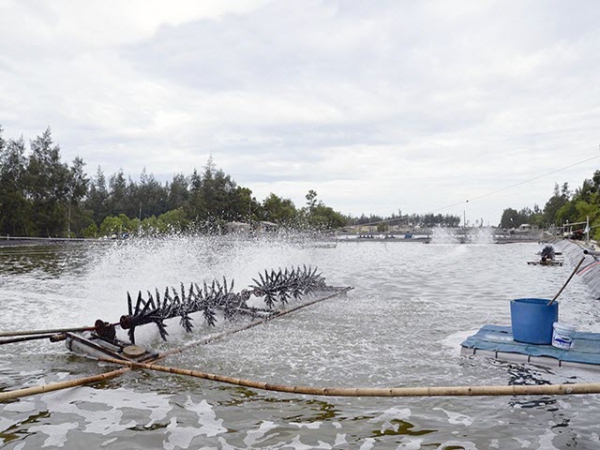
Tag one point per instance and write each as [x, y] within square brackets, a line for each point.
[267, 227]
[246, 228]
[238, 227]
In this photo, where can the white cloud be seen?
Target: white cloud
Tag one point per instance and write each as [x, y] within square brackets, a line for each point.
[99, 23]
[378, 106]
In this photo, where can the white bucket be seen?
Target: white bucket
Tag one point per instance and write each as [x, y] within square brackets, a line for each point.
[562, 335]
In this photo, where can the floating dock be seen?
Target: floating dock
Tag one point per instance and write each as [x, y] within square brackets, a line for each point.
[545, 263]
[495, 341]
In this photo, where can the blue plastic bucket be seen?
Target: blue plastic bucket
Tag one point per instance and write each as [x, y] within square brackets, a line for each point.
[532, 320]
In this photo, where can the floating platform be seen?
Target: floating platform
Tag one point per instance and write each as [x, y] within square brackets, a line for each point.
[96, 347]
[545, 263]
[495, 341]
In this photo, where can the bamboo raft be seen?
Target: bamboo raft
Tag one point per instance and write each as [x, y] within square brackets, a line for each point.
[547, 257]
[545, 263]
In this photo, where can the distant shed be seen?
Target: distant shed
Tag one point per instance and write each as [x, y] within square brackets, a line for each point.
[238, 227]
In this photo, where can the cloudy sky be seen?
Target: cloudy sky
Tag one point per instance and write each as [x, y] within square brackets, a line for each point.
[379, 106]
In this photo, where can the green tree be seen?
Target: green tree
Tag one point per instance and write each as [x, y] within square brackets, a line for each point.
[324, 217]
[510, 219]
[150, 226]
[151, 195]
[318, 216]
[279, 210]
[111, 226]
[47, 186]
[195, 206]
[117, 193]
[91, 231]
[311, 199]
[174, 221]
[178, 192]
[567, 213]
[77, 188]
[15, 208]
[211, 198]
[243, 206]
[98, 198]
[553, 205]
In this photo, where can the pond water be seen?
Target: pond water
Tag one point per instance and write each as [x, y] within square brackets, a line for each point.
[402, 325]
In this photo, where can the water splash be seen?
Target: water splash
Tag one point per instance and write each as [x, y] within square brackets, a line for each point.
[440, 235]
[484, 235]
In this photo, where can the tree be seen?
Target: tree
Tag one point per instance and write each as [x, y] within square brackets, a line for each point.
[567, 213]
[243, 206]
[215, 199]
[97, 198]
[41, 195]
[77, 187]
[217, 188]
[117, 193]
[320, 217]
[151, 196]
[324, 217]
[279, 210]
[311, 199]
[111, 226]
[178, 192]
[553, 205]
[15, 209]
[47, 186]
[565, 191]
[91, 231]
[174, 221]
[195, 206]
[510, 219]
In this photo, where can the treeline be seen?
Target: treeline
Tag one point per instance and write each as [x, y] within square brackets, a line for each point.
[562, 208]
[407, 220]
[42, 196]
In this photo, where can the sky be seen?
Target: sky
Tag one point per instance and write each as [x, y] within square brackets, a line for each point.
[451, 107]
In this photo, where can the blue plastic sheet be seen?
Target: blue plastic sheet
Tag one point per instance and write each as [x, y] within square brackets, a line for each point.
[585, 348]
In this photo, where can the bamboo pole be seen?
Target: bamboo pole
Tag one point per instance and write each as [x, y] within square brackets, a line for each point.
[12, 395]
[250, 325]
[25, 338]
[567, 282]
[436, 391]
[25, 392]
[51, 331]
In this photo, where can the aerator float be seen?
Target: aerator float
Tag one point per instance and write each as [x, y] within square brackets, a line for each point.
[211, 300]
[274, 287]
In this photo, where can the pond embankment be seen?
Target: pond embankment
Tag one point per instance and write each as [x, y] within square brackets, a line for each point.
[590, 268]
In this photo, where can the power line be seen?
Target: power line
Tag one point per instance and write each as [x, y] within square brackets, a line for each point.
[516, 184]
[492, 192]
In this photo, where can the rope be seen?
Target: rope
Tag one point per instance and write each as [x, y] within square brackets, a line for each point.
[438, 391]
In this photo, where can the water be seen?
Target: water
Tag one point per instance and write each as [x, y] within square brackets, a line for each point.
[402, 326]
[443, 235]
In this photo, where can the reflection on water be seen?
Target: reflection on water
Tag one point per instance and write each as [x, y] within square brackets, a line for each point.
[399, 327]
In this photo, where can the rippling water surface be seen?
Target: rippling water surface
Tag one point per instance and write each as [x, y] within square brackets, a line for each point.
[401, 326]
